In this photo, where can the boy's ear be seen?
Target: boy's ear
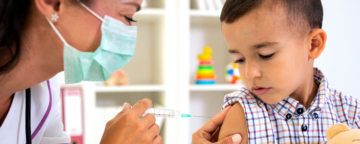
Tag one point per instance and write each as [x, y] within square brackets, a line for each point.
[48, 7]
[317, 40]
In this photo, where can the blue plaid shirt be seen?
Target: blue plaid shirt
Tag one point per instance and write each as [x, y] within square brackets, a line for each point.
[289, 122]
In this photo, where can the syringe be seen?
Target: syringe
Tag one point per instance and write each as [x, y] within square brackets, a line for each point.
[168, 113]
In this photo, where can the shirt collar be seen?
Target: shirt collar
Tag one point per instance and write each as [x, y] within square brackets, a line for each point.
[290, 105]
[323, 93]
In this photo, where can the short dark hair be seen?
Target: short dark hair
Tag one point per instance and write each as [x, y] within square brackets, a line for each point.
[306, 11]
[13, 17]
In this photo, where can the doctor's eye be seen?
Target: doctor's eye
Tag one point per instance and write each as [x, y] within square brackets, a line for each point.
[240, 60]
[129, 19]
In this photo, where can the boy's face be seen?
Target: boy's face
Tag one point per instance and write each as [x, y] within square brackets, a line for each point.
[272, 57]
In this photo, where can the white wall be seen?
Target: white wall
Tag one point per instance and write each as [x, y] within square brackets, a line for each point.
[340, 60]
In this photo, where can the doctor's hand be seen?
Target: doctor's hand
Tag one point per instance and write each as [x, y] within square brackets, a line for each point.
[128, 128]
[210, 131]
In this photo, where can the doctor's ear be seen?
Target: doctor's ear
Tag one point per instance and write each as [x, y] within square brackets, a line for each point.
[316, 43]
[49, 8]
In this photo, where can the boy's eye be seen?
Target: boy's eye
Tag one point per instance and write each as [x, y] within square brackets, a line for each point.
[266, 56]
[240, 60]
[129, 19]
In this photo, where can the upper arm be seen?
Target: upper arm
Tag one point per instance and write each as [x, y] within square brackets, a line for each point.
[235, 123]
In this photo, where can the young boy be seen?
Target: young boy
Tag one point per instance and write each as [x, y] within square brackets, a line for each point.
[285, 99]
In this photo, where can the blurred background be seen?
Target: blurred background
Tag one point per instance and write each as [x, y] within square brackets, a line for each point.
[171, 35]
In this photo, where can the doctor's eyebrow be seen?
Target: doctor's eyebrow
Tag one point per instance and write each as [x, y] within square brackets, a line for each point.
[233, 51]
[135, 4]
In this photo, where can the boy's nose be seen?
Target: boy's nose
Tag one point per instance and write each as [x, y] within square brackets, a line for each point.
[252, 71]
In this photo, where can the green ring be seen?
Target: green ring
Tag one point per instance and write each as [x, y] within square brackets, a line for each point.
[206, 67]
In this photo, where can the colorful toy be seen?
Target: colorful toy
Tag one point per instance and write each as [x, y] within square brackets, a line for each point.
[232, 74]
[118, 78]
[205, 73]
[342, 134]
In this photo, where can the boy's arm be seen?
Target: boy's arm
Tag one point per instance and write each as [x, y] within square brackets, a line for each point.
[235, 123]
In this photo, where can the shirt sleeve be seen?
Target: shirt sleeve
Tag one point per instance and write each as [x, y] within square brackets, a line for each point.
[354, 112]
[234, 97]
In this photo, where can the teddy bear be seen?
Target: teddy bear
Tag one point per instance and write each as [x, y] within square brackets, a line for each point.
[342, 134]
[118, 78]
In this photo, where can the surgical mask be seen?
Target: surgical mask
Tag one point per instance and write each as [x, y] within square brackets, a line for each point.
[116, 49]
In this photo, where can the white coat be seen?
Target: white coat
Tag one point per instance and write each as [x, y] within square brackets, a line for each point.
[46, 124]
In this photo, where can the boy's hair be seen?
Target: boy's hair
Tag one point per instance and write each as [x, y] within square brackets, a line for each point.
[308, 12]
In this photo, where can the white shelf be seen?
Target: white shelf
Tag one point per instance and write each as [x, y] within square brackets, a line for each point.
[130, 88]
[149, 15]
[151, 11]
[70, 85]
[205, 18]
[216, 87]
[198, 13]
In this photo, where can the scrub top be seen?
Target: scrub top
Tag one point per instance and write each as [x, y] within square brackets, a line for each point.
[46, 124]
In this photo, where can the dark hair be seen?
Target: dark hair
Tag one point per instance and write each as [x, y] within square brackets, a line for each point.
[13, 14]
[308, 11]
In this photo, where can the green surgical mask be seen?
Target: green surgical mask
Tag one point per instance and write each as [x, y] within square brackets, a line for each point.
[116, 49]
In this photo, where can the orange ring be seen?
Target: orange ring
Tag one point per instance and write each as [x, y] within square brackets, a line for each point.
[205, 76]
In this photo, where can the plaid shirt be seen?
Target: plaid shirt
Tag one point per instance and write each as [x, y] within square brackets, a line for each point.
[289, 122]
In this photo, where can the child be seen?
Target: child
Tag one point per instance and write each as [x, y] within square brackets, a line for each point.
[285, 99]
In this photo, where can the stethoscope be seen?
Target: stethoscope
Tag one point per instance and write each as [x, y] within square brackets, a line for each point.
[27, 116]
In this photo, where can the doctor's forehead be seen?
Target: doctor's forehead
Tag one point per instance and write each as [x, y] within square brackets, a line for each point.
[114, 5]
[135, 3]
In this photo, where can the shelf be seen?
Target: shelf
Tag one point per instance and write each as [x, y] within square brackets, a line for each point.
[130, 88]
[198, 13]
[151, 11]
[149, 15]
[205, 18]
[70, 85]
[217, 87]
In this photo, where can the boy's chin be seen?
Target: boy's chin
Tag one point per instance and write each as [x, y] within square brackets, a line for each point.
[271, 99]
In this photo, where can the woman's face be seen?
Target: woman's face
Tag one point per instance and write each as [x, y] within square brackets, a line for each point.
[81, 29]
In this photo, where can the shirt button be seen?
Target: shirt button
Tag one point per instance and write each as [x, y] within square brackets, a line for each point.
[300, 111]
[304, 127]
[288, 116]
[315, 115]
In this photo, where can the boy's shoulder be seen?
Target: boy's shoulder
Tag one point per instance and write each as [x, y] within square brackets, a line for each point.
[346, 107]
[341, 99]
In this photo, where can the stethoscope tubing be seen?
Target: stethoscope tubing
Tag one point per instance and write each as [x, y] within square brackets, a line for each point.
[28, 116]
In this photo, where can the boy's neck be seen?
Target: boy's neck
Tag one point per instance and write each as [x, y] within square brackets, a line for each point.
[306, 93]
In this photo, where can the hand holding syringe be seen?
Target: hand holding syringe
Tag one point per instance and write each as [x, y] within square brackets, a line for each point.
[168, 113]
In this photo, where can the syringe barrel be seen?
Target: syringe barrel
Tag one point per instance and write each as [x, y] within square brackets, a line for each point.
[165, 113]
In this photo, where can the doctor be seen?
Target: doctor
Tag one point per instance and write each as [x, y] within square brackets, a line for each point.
[88, 40]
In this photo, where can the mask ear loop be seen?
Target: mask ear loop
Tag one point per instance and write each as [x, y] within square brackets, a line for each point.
[92, 12]
[56, 31]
